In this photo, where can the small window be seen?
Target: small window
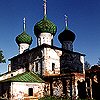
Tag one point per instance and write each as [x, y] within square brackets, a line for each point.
[30, 92]
[11, 74]
[43, 38]
[53, 66]
[36, 69]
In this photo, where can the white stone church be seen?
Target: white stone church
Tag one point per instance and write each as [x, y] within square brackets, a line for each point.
[45, 69]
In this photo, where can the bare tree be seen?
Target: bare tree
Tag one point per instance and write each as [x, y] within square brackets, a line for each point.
[98, 63]
[87, 65]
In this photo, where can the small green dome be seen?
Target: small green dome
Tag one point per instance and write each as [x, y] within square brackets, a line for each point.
[24, 38]
[45, 25]
[66, 35]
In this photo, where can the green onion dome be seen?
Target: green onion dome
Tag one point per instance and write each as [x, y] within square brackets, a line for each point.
[24, 38]
[66, 35]
[45, 25]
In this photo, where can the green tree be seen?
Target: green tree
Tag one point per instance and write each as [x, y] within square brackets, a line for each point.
[2, 59]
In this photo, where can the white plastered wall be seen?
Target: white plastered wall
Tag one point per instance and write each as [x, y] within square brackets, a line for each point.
[23, 47]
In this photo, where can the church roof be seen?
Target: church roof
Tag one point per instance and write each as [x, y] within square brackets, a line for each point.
[25, 77]
[45, 46]
[66, 35]
[46, 26]
[24, 38]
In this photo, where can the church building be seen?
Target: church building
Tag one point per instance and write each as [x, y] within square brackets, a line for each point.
[45, 70]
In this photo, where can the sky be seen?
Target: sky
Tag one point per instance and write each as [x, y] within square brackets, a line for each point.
[83, 20]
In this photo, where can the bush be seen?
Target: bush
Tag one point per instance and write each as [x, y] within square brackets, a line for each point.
[52, 98]
[58, 98]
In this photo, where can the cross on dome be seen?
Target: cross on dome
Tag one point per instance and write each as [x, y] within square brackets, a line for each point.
[66, 21]
[24, 24]
[45, 9]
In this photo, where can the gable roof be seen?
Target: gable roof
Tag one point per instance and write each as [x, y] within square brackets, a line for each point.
[25, 77]
[45, 46]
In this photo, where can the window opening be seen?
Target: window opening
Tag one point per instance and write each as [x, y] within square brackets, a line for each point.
[53, 66]
[30, 91]
[36, 67]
